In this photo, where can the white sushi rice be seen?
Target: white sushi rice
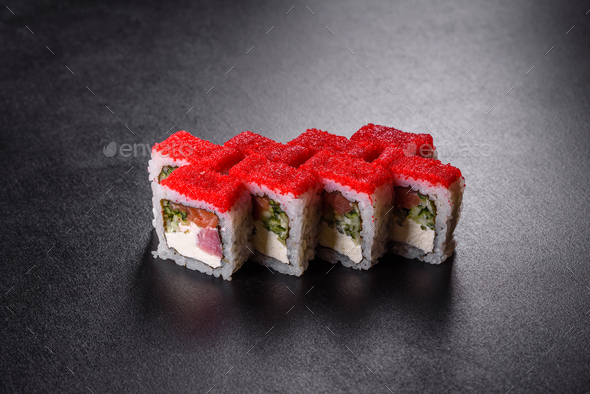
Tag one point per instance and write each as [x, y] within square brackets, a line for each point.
[375, 213]
[158, 161]
[448, 210]
[304, 215]
[235, 228]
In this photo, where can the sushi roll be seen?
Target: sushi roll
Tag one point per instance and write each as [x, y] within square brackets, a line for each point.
[317, 140]
[412, 144]
[249, 143]
[182, 148]
[428, 197]
[285, 212]
[203, 220]
[357, 202]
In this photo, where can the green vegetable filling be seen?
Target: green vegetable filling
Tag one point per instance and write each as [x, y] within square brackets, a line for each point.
[348, 224]
[166, 171]
[172, 217]
[276, 220]
[424, 213]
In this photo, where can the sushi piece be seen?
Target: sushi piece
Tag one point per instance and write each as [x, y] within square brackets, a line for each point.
[412, 144]
[285, 211]
[357, 202]
[182, 148]
[249, 143]
[317, 140]
[203, 220]
[428, 197]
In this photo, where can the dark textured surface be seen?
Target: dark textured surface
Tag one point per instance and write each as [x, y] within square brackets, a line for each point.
[86, 308]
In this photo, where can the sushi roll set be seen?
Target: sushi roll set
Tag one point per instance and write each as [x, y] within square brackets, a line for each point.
[344, 200]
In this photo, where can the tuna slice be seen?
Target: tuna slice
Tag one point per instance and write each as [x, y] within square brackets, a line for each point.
[208, 241]
[338, 202]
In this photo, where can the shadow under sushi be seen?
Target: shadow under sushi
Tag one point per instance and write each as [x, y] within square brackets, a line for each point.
[414, 290]
[200, 307]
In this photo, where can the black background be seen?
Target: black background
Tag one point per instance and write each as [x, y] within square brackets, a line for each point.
[85, 308]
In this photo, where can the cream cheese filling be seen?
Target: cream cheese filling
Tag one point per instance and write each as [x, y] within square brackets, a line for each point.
[411, 233]
[341, 243]
[268, 243]
[185, 243]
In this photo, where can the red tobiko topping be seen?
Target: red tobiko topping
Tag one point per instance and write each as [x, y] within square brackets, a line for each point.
[221, 160]
[195, 183]
[348, 171]
[414, 144]
[293, 155]
[317, 140]
[400, 164]
[276, 176]
[251, 143]
[248, 140]
[366, 150]
[184, 146]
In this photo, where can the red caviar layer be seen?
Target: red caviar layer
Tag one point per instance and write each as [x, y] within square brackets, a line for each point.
[293, 155]
[318, 140]
[184, 146]
[399, 163]
[246, 139]
[249, 143]
[221, 160]
[276, 176]
[414, 144]
[348, 171]
[193, 182]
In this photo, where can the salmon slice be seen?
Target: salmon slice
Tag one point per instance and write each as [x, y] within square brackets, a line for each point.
[201, 217]
[406, 198]
[208, 241]
[259, 205]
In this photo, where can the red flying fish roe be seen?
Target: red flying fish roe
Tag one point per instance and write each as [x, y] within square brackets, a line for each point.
[317, 140]
[293, 155]
[390, 155]
[221, 160]
[427, 170]
[366, 150]
[193, 182]
[184, 146]
[357, 174]
[415, 144]
[249, 143]
[278, 177]
[248, 140]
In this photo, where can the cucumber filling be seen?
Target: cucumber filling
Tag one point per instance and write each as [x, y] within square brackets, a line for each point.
[275, 220]
[348, 223]
[423, 214]
[173, 217]
[166, 171]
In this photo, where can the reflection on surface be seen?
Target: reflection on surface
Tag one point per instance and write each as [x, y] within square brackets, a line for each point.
[191, 302]
[200, 307]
